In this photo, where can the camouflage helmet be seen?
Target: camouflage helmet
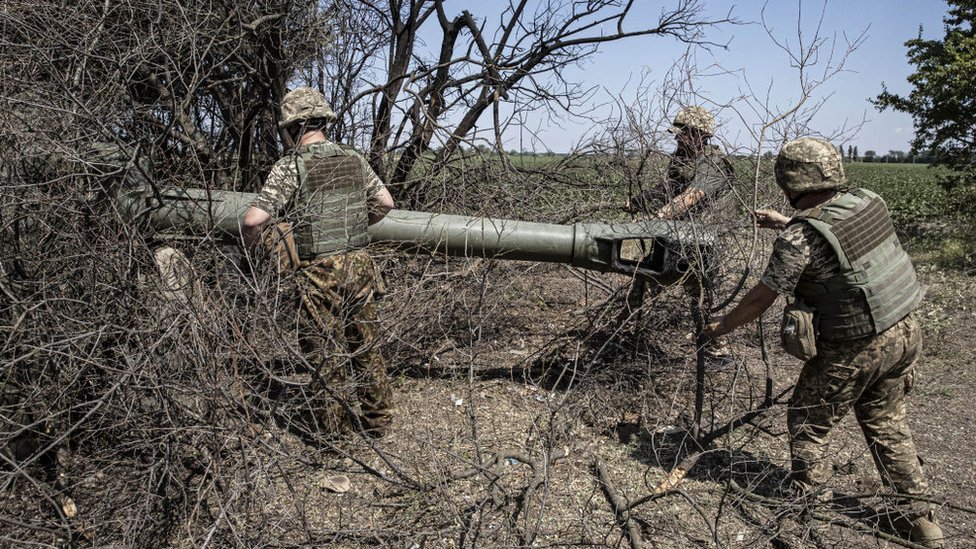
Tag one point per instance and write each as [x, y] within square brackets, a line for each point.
[693, 117]
[304, 104]
[809, 164]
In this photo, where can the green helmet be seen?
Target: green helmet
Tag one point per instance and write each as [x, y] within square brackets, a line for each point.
[304, 104]
[693, 117]
[809, 164]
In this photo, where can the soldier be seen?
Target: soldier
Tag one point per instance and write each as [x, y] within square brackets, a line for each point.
[697, 188]
[699, 173]
[329, 194]
[840, 256]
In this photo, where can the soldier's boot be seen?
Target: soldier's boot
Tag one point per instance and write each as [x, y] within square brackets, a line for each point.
[926, 533]
[922, 530]
[376, 424]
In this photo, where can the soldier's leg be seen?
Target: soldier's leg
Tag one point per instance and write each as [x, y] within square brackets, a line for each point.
[373, 387]
[323, 343]
[632, 303]
[362, 326]
[825, 391]
[699, 295]
[882, 414]
[363, 367]
[179, 283]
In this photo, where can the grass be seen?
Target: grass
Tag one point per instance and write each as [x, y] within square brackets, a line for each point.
[928, 217]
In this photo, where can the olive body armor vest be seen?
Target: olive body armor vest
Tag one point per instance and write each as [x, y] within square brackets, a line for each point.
[876, 286]
[329, 214]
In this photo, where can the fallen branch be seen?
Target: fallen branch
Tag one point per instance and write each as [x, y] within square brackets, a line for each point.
[621, 510]
[828, 518]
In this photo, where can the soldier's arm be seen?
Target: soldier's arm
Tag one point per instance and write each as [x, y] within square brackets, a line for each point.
[252, 225]
[755, 303]
[278, 190]
[790, 257]
[710, 180]
[379, 205]
[770, 219]
[380, 201]
[681, 203]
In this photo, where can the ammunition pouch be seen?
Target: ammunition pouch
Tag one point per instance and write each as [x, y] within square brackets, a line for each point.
[798, 331]
[279, 241]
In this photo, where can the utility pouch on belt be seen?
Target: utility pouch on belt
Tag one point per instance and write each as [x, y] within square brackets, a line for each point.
[280, 243]
[798, 332]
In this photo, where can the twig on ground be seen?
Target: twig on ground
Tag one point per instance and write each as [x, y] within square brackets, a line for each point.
[621, 510]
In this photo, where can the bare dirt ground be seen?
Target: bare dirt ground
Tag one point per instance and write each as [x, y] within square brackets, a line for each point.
[526, 415]
[525, 422]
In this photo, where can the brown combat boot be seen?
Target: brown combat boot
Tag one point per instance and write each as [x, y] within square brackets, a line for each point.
[920, 529]
[926, 533]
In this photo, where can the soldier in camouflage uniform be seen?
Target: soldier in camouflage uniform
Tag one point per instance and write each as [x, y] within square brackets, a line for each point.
[697, 188]
[329, 194]
[699, 174]
[839, 254]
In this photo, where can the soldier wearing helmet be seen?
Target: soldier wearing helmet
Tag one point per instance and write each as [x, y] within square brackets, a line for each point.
[697, 187]
[329, 194]
[841, 260]
[699, 173]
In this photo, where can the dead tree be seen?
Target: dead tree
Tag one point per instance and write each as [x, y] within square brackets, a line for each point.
[431, 93]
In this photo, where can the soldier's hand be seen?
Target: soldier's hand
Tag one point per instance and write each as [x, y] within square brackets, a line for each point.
[714, 329]
[770, 219]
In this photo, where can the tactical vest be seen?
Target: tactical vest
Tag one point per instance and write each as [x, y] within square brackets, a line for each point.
[683, 169]
[877, 285]
[329, 212]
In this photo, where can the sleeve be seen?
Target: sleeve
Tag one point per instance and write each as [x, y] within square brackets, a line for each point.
[373, 182]
[280, 186]
[791, 256]
[710, 177]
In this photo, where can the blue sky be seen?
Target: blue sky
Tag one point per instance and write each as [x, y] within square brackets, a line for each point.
[719, 75]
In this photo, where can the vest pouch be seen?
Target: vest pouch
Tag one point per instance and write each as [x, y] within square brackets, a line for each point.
[797, 332]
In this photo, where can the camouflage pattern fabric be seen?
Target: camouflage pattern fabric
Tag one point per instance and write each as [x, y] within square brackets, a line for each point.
[709, 172]
[304, 104]
[338, 332]
[693, 117]
[800, 250]
[283, 182]
[872, 376]
[809, 164]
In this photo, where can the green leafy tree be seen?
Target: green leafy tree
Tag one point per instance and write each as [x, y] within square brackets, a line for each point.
[854, 156]
[942, 101]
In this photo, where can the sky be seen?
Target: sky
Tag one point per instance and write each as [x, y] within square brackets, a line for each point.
[752, 65]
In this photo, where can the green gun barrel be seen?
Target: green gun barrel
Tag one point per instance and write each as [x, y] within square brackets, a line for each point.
[658, 250]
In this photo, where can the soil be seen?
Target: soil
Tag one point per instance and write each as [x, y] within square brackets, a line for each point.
[528, 414]
[502, 431]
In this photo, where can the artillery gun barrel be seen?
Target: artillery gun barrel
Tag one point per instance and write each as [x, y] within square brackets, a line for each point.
[658, 250]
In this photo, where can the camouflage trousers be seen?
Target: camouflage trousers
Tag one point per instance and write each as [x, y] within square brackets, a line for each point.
[872, 376]
[338, 333]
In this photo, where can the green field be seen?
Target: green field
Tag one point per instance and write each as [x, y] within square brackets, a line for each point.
[912, 191]
[931, 221]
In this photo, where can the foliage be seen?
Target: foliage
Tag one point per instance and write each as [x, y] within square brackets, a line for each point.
[943, 97]
[410, 78]
[912, 191]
